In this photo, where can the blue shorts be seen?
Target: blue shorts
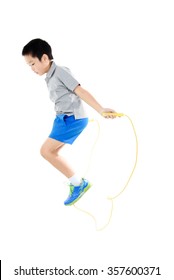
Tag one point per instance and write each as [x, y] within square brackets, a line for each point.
[66, 128]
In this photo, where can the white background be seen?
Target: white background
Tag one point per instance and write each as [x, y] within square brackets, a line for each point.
[123, 53]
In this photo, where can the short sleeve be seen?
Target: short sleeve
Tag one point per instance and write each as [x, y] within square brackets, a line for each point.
[67, 78]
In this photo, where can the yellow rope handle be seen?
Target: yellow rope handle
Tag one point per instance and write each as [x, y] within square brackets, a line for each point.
[114, 114]
[111, 199]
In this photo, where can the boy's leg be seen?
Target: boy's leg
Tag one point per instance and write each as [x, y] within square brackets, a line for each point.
[50, 151]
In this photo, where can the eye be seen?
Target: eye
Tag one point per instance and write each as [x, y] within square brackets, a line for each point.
[31, 64]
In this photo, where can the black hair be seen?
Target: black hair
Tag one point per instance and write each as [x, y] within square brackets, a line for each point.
[36, 48]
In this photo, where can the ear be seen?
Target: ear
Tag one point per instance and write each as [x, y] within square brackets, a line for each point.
[44, 58]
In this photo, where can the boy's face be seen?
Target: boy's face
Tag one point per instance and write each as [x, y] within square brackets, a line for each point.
[40, 67]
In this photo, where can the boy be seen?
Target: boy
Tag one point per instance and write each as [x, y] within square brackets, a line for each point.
[66, 93]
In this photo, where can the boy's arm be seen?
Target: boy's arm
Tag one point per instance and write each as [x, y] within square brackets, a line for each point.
[91, 101]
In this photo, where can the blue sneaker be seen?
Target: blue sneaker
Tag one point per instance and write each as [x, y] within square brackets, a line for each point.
[77, 192]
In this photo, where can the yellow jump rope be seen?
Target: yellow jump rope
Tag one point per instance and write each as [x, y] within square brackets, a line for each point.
[111, 199]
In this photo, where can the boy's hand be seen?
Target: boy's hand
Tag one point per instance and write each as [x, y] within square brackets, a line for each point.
[108, 115]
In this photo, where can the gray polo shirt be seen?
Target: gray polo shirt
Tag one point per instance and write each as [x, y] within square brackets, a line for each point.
[61, 85]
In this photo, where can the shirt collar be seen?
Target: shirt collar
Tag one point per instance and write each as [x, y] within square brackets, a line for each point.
[50, 71]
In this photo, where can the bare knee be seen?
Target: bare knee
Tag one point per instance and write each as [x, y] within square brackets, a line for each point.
[45, 152]
[50, 148]
[48, 152]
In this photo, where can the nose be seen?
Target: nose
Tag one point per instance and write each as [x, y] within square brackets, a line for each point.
[33, 68]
